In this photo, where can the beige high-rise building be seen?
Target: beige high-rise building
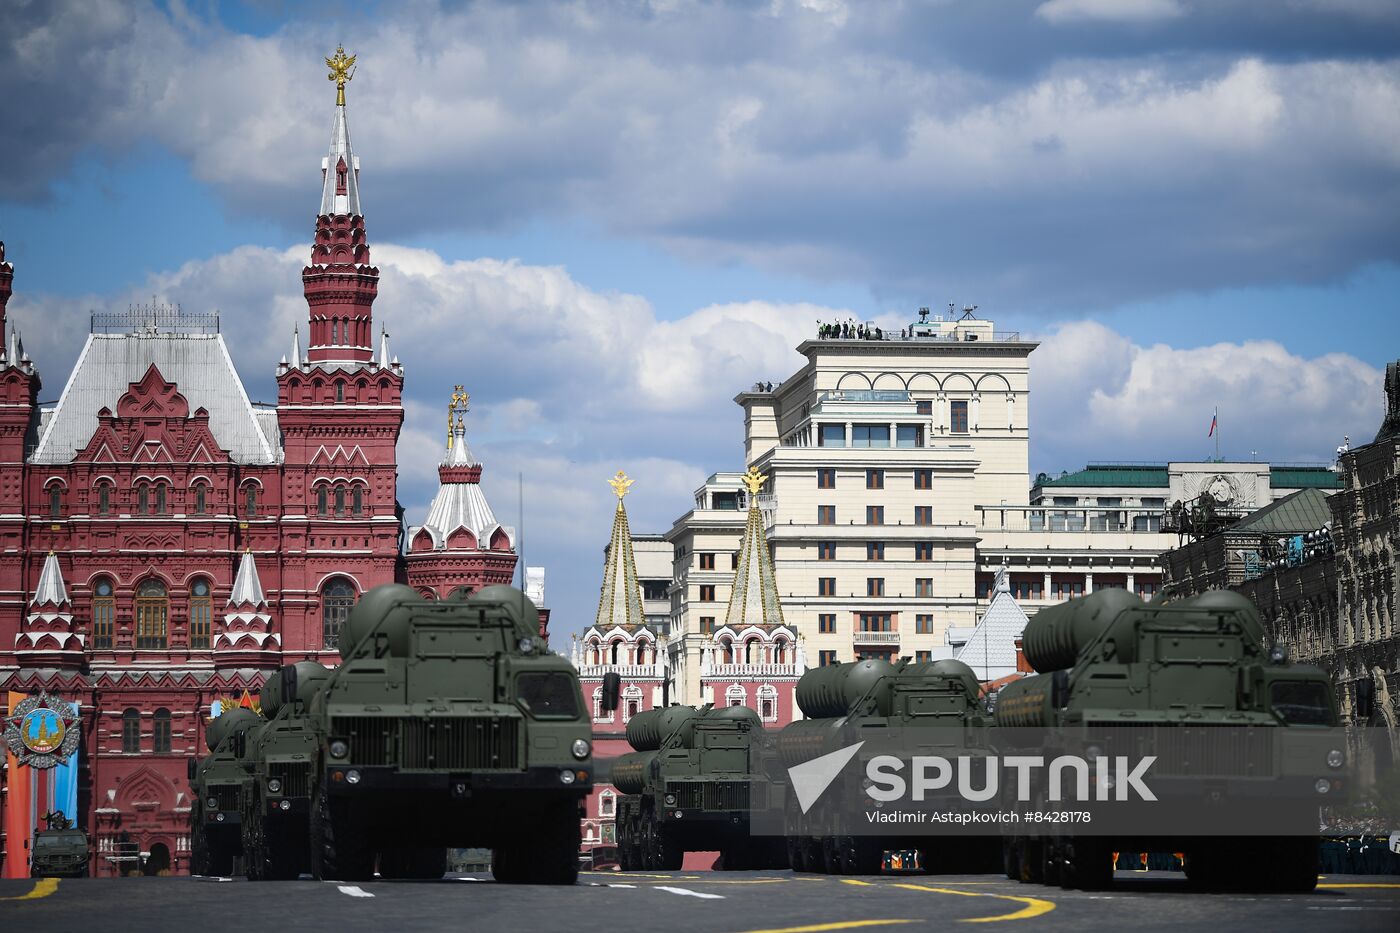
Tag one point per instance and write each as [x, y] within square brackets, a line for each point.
[878, 452]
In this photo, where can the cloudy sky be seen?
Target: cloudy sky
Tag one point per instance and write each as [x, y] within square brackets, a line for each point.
[605, 218]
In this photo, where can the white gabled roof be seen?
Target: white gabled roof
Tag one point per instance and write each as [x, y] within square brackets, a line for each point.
[198, 365]
[991, 649]
[50, 591]
[348, 203]
[461, 504]
[247, 586]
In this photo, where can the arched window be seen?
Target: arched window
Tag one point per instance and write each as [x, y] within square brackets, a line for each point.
[598, 713]
[340, 502]
[613, 651]
[250, 501]
[768, 703]
[339, 391]
[55, 501]
[152, 614]
[321, 501]
[357, 500]
[160, 735]
[631, 702]
[607, 804]
[728, 647]
[780, 651]
[201, 611]
[131, 730]
[104, 498]
[160, 499]
[201, 499]
[104, 610]
[595, 651]
[143, 499]
[748, 650]
[735, 695]
[461, 592]
[337, 598]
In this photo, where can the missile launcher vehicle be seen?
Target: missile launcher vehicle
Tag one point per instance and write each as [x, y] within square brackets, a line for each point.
[218, 783]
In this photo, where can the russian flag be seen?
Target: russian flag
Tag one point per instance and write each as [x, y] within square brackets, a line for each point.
[1211, 432]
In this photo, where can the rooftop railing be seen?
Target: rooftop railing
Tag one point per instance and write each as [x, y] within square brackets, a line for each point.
[1069, 519]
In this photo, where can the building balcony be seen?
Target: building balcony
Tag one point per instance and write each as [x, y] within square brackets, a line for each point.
[875, 638]
[626, 671]
[741, 671]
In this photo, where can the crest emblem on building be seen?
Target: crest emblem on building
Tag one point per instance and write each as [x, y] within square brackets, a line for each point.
[42, 731]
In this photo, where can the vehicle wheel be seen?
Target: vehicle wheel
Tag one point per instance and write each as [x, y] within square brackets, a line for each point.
[220, 859]
[417, 864]
[253, 854]
[554, 848]
[1011, 859]
[199, 853]
[339, 849]
[860, 855]
[1086, 864]
[669, 855]
[797, 853]
[831, 860]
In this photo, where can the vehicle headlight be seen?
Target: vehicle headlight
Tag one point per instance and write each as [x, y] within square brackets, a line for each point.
[212, 803]
[567, 777]
[285, 805]
[1335, 758]
[274, 786]
[527, 645]
[1322, 786]
[339, 749]
[219, 817]
[352, 777]
[581, 748]
[670, 800]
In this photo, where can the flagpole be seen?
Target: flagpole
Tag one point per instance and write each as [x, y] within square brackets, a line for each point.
[1216, 417]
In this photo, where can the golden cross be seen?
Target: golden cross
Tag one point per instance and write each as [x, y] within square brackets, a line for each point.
[620, 485]
[342, 68]
[458, 402]
[754, 480]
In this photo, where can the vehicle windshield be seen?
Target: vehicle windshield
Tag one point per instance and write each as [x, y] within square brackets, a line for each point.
[1301, 702]
[61, 839]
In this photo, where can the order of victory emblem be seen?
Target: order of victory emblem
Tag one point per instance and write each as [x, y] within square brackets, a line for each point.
[42, 731]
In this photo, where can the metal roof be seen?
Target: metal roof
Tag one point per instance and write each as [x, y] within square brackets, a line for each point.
[1111, 474]
[1304, 477]
[1302, 511]
[754, 598]
[50, 591]
[247, 586]
[991, 649]
[198, 365]
[348, 203]
[461, 504]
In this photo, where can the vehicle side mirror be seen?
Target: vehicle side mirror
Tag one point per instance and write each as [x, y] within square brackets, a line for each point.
[191, 765]
[612, 691]
[1365, 698]
[289, 684]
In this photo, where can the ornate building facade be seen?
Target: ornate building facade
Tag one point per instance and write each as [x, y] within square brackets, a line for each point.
[166, 542]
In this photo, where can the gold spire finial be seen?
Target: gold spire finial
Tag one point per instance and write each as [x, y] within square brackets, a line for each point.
[342, 68]
[754, 480]
[455, 406]
[620, 484]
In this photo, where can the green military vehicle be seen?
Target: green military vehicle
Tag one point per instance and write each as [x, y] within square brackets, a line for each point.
[689, 787]
[60, 851]
[217, 783]
[279, 755]
[1238, 737]
[448, 724]
[906, 708]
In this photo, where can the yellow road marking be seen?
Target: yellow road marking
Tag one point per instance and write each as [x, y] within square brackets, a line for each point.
[843, 925]
[863, 884]
[1035, 906]
[42, 888]
[1359, 885]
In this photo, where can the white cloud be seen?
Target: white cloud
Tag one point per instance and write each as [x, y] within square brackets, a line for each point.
[1096, 395]
[1118, 11]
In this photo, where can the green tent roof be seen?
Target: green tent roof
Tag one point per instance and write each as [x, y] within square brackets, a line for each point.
[1110, 474]
[1304, 478]
[1303, 511]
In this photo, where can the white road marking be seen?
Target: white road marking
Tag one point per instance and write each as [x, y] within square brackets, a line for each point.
[606, 885]
[354, 891]
[688, 893]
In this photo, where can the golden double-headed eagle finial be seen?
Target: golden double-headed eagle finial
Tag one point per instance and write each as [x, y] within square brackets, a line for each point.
[620, 484]
[456, 406]
[754, 480]
[342, 68]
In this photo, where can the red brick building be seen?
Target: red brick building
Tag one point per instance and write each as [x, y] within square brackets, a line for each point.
[165, 542]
